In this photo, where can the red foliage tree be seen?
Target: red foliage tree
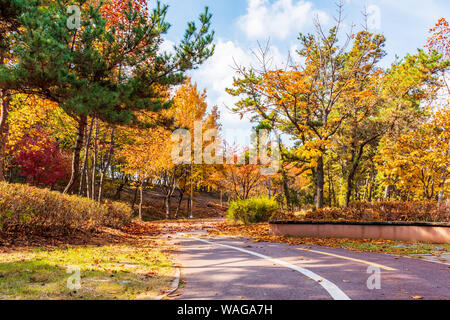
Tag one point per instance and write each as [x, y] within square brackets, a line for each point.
[41, 161]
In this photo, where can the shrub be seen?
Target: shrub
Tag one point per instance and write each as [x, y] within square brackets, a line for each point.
[425, 211]
[252, 210]
[41, 161]
[26, 208]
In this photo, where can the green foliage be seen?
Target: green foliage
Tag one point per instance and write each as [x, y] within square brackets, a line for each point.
[252, 210]
[102, 70]
[25, 208]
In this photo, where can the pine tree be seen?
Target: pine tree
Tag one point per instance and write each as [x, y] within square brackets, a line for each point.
[10, 10]
[101, 69]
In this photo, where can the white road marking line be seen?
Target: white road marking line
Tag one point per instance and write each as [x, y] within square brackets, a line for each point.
[331, 288]
[352, 259]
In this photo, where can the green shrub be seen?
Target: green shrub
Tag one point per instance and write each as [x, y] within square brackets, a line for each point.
[30, 209]
[252, 210]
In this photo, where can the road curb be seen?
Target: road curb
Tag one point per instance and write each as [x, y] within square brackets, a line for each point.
[174, 286]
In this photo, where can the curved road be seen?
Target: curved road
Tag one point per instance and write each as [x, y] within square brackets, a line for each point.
[232, 269]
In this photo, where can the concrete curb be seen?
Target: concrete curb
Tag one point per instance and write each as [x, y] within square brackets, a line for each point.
[434, 233]
[174, 287]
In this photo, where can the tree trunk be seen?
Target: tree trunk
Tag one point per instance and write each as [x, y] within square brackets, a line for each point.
[3, 130]
[170, 190]
[120, 188]
[387, 192]
[167, 206]
[105, 167]
[135, 198]
[88, 186]
[320, 181]
[86, 158]
[76, 155]
[285, 188]
[180, 200]
[141, 200]
[350, 178]
[372, 185]
[94, 161]
[191, 202]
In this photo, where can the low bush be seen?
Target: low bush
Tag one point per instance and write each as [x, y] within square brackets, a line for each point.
[378, 211]
[252, 210]
[26, 208]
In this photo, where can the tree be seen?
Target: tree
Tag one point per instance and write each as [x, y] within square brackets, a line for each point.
[10, 11]
[147, 156]
[418, 161]
[309, 102]
[102, 69]
[440, 38]
[41, 161]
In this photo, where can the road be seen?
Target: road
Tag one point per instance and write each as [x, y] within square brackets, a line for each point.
[232, 269]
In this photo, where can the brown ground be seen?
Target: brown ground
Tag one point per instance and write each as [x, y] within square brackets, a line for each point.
[206, 205]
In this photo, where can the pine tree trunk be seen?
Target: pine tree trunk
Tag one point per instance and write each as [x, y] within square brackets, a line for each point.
[105, 167]
[76, 155]
[88, 186]
[94, 161]
[86, 158]
[4, 106]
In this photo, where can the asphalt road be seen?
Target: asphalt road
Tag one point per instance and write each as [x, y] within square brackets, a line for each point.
[233, 269]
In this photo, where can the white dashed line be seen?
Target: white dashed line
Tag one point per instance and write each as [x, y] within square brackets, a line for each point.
[331, 288]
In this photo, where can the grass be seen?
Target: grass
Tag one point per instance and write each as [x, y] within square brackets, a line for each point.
[107, 272]
[399, 248]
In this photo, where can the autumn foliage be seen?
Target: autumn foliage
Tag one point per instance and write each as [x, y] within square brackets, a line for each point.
[424, 211]
[42, 162]
[25, 208]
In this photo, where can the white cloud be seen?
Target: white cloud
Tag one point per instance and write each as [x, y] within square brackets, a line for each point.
[167, 46]
[217, 74]
[278, 19]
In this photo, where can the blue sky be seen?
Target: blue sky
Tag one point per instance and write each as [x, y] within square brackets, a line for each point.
[240, 24]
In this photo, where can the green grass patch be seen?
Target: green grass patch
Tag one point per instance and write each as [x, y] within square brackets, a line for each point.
[109, 272]
[398, 248]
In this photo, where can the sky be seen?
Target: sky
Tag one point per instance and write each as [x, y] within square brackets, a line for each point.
[240, 24]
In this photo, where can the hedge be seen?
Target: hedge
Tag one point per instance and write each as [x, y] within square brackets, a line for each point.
[252, 210]
[27, 208]
[425, 211]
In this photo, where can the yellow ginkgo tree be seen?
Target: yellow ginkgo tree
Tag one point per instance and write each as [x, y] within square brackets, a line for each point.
[417, 163]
